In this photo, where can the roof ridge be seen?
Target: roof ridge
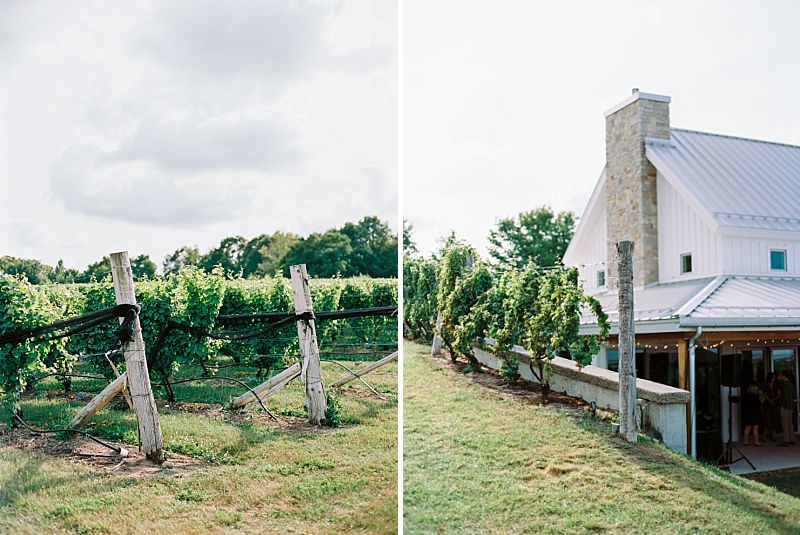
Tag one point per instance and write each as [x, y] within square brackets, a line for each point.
[728, 136]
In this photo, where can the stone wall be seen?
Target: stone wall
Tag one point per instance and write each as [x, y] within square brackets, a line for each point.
[631, 185]
[664, 407]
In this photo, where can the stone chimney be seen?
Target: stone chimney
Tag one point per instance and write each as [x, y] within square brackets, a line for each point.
[632, 212]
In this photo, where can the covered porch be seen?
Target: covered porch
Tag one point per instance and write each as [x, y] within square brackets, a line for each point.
[711, 336]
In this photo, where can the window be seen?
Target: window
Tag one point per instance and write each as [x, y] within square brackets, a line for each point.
[777, 259]
[686, 263]
[601, 278]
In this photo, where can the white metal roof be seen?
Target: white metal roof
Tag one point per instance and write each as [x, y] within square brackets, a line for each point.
[740, 301]
[656, 302]
[742, 183]
[750, 300]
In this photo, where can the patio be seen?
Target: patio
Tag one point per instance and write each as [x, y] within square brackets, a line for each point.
[766, 458]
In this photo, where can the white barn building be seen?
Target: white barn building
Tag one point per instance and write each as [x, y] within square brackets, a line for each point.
[716, 225]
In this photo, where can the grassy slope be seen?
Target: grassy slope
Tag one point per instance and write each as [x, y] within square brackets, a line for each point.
[262, 479]
[476, 462]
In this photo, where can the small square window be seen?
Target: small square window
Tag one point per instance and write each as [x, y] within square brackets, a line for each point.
[601, 278]
[777, 259]
[686, 263]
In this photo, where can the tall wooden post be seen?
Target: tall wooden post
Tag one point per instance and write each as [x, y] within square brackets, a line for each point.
[436, 347]
[144, 404]
[311, 374]
[627, 343]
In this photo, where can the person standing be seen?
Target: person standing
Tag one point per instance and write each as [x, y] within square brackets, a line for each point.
[771, 407]
[787, 408]
[751, 412]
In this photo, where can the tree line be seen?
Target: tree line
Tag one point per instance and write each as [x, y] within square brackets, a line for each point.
[539, 236]
[367, 247]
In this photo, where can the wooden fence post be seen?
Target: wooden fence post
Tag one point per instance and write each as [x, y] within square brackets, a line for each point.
[144, 404]
[436, 347]
[627, 343]
[311, 374]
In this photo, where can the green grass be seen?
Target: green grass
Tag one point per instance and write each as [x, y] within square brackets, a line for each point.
[260, 478]
[478, 461]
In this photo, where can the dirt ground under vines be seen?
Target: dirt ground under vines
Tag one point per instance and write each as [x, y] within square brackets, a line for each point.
[523, 391]
[83, 451]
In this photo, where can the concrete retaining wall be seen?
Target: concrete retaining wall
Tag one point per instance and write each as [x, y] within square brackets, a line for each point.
[664, 407]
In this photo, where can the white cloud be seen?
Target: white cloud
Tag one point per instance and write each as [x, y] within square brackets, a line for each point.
[181, 122]
[202, 144]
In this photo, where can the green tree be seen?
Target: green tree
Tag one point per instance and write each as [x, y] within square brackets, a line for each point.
[143, 267]
[539, 236]
[63, 275]
[325, 255]
[409, 245]
[273, 254]
[374, 248]
[227, 254]
[97, 271]
[184, 257]
[251, 255]
[36, 272]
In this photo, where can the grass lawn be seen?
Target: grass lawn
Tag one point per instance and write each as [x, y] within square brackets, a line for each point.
[480, 461]
[255, 476]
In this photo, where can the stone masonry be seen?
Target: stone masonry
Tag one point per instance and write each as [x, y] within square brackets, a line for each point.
[632, 212]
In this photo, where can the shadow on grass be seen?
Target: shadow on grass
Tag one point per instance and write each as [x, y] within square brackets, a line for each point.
[29, 477]
[701, 478]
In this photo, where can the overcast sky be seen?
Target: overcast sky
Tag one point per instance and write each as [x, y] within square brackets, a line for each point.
[150, 125]
[504, 101]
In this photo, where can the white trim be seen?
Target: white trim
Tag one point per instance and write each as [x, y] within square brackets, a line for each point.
[636, 96]
[642, 327]
[691, 263]
[762, 234]
[742, 323]
[785, 260]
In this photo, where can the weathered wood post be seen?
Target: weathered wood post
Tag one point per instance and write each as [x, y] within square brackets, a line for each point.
[627, 343]
[311, 374]
[436, 347]
[144, 404]
[269, 387]
[374, 366]
[99, 401]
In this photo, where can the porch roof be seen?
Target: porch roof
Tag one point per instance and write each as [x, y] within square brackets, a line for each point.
[724, 301]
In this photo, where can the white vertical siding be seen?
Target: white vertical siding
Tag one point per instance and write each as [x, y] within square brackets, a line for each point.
[590, 250]
[682, 230]
[750, 256]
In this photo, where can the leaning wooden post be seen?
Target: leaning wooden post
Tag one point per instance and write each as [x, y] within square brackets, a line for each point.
[99, 401]
[627, 343]
[374, 366]
[144, 404]
[311, 374]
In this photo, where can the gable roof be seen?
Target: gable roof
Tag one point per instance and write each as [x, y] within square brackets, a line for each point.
[737, 182]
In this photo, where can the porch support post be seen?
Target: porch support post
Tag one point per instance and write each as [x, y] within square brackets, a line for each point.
[692, 391]
[683, 382]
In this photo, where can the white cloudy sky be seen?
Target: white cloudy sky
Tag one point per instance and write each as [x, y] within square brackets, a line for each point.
[149, 125]
[504, 101]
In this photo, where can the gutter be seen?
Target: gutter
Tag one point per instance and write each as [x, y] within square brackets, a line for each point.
[693, 417]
